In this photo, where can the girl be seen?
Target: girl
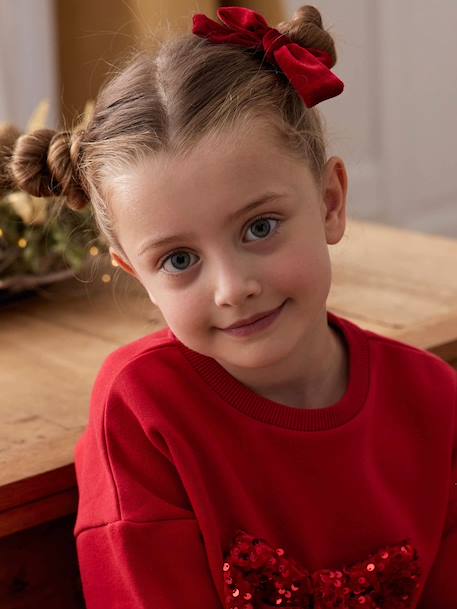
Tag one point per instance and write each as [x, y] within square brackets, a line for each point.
[259, 451]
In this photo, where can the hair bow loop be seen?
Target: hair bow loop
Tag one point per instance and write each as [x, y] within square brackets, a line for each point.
[307, 71]
[243, 19]
[243, 27]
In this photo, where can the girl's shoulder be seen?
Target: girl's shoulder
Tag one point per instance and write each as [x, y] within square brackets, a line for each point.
[389, 356]
[389, 344]
[415, 355]
[153, 346]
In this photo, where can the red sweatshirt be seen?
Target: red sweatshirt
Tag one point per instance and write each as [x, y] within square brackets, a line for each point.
[195, 492]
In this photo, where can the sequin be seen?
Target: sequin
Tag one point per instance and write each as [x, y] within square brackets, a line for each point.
[266, 576]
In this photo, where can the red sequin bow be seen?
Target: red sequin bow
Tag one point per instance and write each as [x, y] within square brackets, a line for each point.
[306, 68]
[259, 576]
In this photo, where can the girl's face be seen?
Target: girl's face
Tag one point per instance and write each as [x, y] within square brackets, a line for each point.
[224, 262]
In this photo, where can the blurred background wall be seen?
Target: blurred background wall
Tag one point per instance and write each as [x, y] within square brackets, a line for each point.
[396, 121]
[28, 59]
[394, 124]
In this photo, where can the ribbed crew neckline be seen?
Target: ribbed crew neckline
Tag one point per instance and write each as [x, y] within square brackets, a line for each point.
[301, 419]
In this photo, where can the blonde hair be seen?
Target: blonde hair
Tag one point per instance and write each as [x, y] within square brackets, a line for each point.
[165, 102]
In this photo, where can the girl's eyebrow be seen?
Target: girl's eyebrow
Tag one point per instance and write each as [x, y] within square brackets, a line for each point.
[155, 243]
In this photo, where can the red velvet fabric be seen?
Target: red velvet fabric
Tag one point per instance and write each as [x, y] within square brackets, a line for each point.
[306, 68]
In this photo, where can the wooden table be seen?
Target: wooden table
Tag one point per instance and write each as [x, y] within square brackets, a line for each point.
[395, 282]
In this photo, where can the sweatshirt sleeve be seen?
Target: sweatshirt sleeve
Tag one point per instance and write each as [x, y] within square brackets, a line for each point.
[145, 565]
[138, 541]
[440, 590]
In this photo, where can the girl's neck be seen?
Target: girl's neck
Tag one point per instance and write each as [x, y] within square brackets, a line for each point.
[316, 378]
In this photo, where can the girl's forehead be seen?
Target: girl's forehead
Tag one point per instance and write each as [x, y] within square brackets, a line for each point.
[217, 174]
[213, 165]
[202, 189]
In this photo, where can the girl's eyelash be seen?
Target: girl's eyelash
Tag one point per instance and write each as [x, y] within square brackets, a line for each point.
[260, 217]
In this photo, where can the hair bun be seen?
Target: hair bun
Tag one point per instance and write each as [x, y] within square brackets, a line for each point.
[29, 164]
[306, 29]
[43, 163]
[63, 159]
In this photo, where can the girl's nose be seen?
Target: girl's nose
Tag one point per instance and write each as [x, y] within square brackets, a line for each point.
[235, 283]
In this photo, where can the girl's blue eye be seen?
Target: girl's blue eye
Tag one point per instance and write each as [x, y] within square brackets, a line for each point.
[181, 255]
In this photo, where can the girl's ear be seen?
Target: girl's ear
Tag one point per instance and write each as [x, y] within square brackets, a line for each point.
[334, 193]
[128, 269]
[122, 263]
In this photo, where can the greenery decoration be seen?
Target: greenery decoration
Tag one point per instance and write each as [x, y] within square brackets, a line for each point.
[41, 239]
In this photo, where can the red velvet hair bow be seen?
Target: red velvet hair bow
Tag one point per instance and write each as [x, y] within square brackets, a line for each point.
[307, 69]
[259, 576]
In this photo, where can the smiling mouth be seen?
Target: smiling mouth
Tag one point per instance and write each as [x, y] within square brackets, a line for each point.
[254, 320]
[256, 326]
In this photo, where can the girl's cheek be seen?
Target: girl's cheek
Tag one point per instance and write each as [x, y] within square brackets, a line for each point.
[188, 315]
[303, 265]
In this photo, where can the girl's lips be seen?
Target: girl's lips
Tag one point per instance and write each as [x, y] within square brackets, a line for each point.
[251, 320]
[255, 326]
